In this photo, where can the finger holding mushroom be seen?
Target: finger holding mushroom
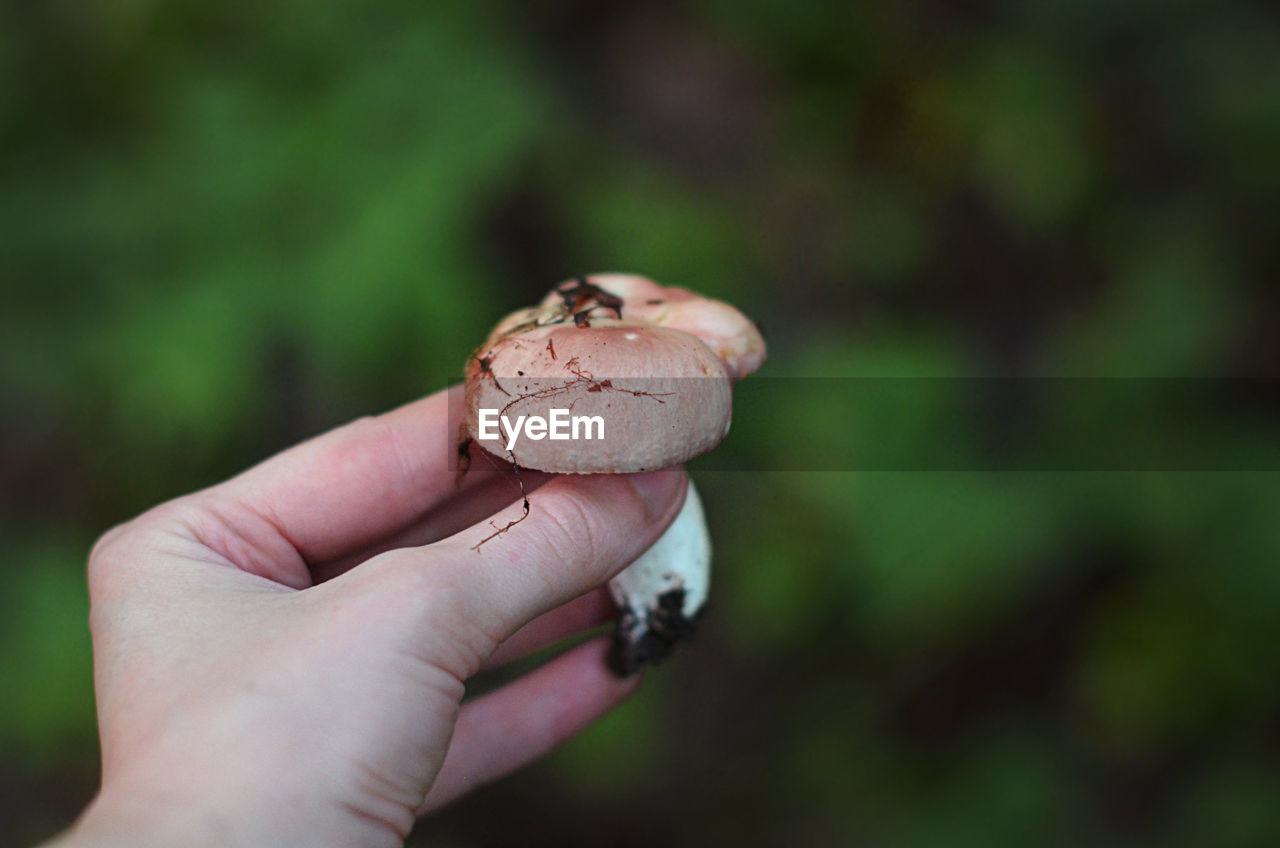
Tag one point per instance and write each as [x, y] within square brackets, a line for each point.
[655, 366]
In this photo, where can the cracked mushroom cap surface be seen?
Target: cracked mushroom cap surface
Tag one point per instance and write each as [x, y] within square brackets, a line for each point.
[655, 364]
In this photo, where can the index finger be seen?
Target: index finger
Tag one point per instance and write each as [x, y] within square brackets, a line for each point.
[355, 485]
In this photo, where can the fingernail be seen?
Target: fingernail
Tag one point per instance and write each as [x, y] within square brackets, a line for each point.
[658, 489]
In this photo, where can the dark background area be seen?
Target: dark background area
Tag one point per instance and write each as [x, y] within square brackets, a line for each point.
[229, 226]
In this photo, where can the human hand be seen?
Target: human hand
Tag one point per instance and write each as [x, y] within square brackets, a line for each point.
[281, 659]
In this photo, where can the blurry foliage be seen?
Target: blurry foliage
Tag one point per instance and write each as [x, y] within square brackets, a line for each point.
[225, 228]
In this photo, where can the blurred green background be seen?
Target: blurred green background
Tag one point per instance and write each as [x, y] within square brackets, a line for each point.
[225, 227]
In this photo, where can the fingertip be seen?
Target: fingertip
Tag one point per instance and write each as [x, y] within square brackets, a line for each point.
[596, 662]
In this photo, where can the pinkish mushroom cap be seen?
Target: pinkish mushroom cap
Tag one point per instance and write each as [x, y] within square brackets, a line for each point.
[655, 364]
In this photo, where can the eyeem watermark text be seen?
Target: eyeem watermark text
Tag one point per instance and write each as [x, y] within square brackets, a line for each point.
[560, 425]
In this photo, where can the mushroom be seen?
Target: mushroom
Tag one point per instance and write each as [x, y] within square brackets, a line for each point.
[647, 371]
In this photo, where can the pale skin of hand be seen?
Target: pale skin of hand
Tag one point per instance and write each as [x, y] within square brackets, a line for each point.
[281, 659]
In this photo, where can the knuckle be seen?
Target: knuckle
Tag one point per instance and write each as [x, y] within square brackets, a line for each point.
[569, 528]
[407, 464]
[117, 551]
[104, 558]
[587, 521]
[433, 598]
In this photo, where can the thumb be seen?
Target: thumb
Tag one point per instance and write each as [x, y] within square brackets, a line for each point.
[580, 531]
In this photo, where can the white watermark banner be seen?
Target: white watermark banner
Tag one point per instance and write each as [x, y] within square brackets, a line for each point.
[945, 424]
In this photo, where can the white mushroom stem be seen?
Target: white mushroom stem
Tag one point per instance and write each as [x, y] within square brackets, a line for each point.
[661, 593]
